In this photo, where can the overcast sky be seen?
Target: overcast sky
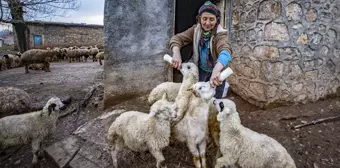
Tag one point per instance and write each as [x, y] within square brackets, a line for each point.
[90, 12]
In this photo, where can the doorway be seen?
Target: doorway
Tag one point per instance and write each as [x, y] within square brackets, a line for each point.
[38, 40]
[185, 17]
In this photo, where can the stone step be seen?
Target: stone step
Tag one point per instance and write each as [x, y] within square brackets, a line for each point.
[64, 151]
[87, 147]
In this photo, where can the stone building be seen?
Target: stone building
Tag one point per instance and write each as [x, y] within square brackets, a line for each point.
[284, 50]
[55, 34]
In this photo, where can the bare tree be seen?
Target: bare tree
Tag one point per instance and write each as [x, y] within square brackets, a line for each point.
[17, 11]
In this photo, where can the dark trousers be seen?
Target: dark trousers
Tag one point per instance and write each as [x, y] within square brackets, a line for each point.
[205, 77]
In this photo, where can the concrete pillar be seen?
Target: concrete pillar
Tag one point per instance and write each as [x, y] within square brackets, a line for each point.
[136, 36]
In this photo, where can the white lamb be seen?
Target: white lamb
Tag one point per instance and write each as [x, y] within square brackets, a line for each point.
[190, 77]
[193, 128]
[171, 88]
[142, 132]
[243, 147]
[30, 127]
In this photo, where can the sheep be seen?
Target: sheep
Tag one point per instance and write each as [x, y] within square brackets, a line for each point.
[17, 61]
[243, 147]
[63, 53]
[73, 54]
[100, 57]
[9, 60]
[59, 56]
[14, 101]
[93, 52]
[142, 132]
[2, 61]
[193, 127]
[171, 88]
[85, 53]
[31, 127]
[190, 77]
[38, 56]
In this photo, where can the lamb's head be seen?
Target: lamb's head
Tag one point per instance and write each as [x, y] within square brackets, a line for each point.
[189, 68]
[162, 109]
[18, 54]
[226, 103]
[54, 104]
[6, 56]
[203, 90]
[64, 50]
[224, 108]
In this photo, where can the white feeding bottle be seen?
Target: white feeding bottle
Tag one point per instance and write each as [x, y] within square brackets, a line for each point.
[167, 58]
[224, 74]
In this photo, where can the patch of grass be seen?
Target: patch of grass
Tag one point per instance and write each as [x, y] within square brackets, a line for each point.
[6, 48]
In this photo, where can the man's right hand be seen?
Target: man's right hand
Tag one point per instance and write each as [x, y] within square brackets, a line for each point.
[176, 58]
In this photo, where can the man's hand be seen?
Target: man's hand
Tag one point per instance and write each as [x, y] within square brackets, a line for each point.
[215, 76]
[176, 58]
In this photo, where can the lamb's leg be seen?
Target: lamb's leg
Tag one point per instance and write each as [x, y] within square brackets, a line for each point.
[26, 68]
[202, 150]
[118, 146]
[194, 151]
[100, 62]
[158, 156]
[46, 66]
[36, 144]
[218, 154]
[181, 107]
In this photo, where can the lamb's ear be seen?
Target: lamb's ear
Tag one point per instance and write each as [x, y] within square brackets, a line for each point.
[221, 106]
[51, 108]
[164, 96]
[151, 114]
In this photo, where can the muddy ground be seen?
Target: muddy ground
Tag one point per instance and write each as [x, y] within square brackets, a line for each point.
[315, 146]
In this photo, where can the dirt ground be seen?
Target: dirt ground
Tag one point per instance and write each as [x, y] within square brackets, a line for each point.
[315, 146]
[72, 79]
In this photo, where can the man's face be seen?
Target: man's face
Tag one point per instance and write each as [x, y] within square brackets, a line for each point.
[208, 21]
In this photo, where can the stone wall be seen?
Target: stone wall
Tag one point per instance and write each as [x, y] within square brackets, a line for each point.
[137, 35]
[66, 34]
[285, 50]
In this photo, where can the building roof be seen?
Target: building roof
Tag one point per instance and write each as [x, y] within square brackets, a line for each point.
[64, 24]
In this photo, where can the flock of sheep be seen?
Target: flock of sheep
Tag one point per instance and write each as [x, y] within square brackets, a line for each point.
[186, 112]
[39, 59]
